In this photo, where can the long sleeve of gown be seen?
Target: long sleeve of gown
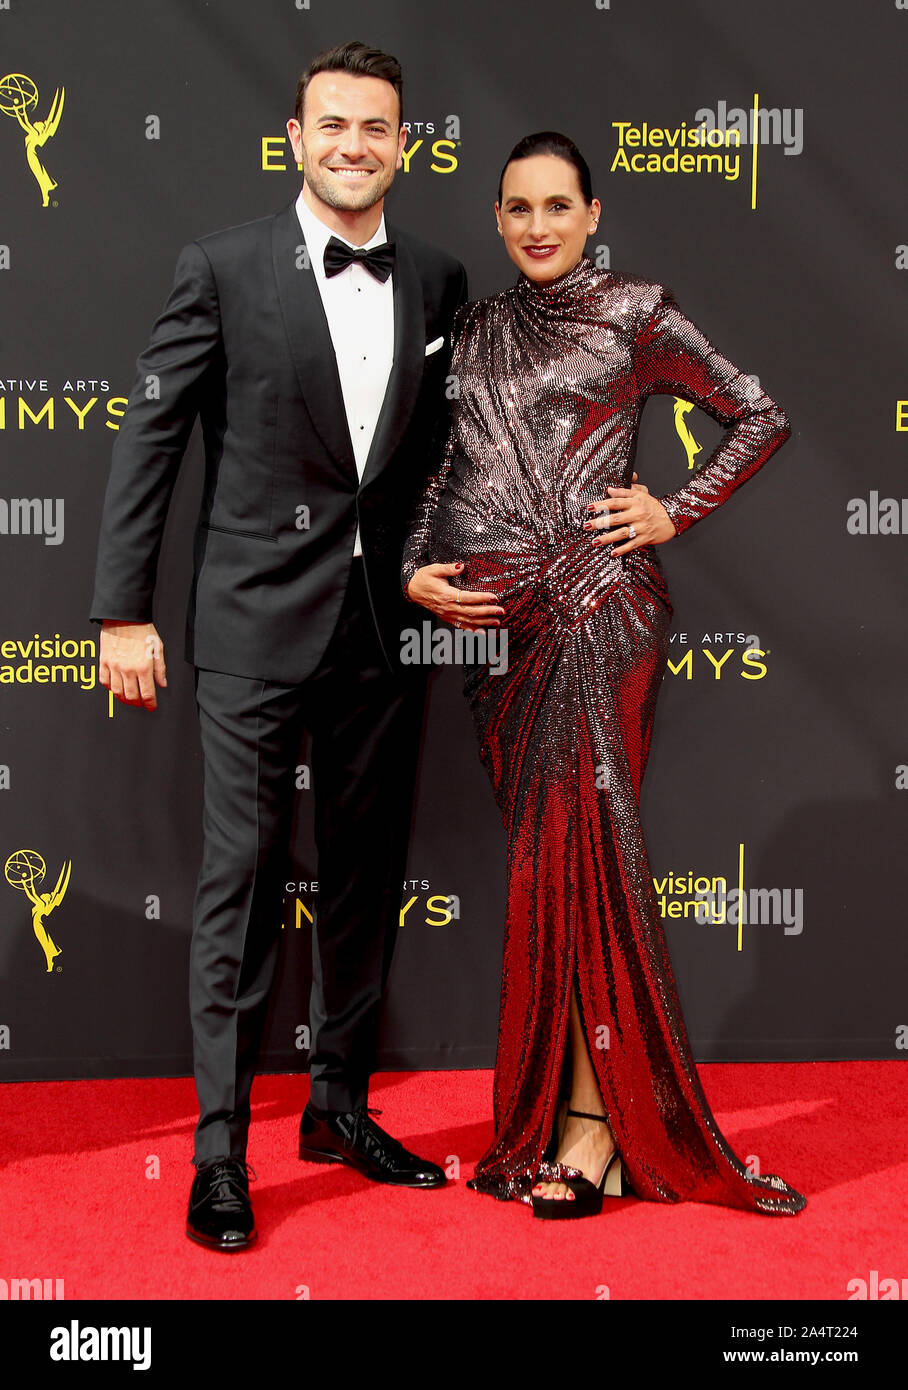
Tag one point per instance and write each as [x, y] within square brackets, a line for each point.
[673, 357]
[419, 538]
[418, 543]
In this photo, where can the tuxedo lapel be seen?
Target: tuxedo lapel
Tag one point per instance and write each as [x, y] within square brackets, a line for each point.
[310, 340]
[409, 359]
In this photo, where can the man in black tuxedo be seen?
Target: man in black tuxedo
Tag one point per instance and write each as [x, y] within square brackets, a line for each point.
[314, 346]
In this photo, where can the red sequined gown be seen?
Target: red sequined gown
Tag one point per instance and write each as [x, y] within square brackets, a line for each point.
[552, 381]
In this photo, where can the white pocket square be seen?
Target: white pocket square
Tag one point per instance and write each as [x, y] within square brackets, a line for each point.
[434, 345]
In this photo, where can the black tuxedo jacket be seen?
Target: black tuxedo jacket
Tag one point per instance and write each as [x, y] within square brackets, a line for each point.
[243, 343]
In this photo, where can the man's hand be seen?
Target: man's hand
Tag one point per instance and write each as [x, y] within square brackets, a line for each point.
[627, 507]
[464, 608]
[131, 662]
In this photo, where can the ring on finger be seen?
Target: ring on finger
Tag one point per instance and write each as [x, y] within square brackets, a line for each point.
[632, 533]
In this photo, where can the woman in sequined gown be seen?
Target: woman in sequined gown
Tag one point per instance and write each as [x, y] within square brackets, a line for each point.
[531, 522]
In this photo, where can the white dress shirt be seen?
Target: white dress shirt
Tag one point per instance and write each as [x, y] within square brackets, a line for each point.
[360, 313]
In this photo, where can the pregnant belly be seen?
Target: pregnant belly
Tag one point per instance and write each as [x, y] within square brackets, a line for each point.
[559, 582]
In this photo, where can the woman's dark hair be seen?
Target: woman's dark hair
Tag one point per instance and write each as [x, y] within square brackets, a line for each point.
[551, 142]
[359, 59]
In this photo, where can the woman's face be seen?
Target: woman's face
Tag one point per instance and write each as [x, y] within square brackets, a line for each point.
[543, 216]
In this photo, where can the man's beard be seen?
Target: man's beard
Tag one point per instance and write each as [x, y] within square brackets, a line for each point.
[345, 199]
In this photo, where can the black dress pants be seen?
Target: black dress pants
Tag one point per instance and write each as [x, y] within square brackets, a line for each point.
[365, 726]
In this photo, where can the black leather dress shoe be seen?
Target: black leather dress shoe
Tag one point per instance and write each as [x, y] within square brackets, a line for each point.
[220, 1212]
[357, 1140]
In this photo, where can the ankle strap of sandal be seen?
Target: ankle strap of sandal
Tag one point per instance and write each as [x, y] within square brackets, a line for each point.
[585, 1115]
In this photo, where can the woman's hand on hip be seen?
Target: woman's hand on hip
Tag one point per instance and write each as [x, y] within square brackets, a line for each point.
[629, 517]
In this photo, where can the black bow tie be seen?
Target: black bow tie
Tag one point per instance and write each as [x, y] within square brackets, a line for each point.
[380, 260]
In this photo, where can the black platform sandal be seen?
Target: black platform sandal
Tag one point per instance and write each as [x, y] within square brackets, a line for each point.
[588, 1196]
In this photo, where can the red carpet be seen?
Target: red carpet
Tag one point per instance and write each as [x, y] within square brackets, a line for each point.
[77, 1204]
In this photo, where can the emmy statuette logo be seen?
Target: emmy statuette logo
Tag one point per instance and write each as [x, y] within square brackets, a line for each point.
[24, 868]
[691, 447]
[19, 96]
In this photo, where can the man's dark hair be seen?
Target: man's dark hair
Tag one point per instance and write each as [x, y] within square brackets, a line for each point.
[552, 142]
[359, 59]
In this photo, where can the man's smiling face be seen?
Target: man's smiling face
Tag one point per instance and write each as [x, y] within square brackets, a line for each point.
[351, 141]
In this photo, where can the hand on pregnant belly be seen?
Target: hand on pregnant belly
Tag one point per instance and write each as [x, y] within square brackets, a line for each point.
[465, 608]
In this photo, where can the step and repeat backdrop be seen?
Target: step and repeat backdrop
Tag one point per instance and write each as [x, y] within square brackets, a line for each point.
[750, 157]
